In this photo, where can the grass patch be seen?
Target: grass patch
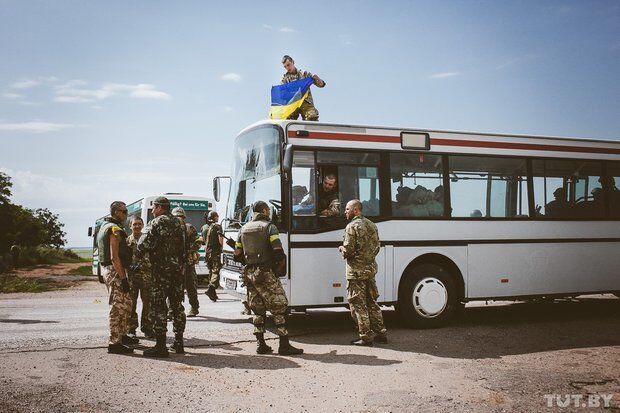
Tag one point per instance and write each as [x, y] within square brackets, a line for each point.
[85, 270]
[13, 284]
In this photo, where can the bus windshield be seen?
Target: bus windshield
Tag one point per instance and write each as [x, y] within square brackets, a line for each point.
[255, 174]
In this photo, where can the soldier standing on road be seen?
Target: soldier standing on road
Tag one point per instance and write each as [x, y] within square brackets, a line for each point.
[192, 245]
[114, 258]
[359, 249]
[140, 281]
[307, 109]
[259, 248]
[163, 240]
[214, 241]
[15, 253]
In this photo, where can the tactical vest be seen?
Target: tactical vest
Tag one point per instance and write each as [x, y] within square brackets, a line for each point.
[255, 241]
[103, 244]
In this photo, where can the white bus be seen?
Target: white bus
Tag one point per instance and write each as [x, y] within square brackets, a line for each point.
[461, 216]
[194, 206]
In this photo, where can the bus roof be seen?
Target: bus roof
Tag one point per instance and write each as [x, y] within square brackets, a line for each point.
[188, 202]
[445, 141]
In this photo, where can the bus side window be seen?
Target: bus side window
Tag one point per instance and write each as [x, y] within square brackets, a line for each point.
[303, 191]
[611, 185]
[417, 185]
[568, 189]
[488, 187]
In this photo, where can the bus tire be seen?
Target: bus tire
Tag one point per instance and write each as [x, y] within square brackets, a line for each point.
[428, 297]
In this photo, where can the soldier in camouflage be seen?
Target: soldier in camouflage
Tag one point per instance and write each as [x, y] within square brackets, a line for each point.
[192, 245]
[307, 109]
[329, 200]
[359, 249]
[163, 239]
[114, 258]
[214, 241]
[259, 248]
[139, 281]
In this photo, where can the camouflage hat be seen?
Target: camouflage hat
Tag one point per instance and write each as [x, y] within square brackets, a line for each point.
[178, 212]
[162, 200]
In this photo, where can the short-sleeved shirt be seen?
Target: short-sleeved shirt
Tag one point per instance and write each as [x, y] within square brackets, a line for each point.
[361, 242]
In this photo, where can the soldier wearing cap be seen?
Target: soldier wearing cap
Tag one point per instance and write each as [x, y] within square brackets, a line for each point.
[260, 249]
[307, 109]
[192, 245]
[164, 241]
[214, 241]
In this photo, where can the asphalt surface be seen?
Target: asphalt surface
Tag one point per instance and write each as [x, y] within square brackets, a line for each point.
[501, 357]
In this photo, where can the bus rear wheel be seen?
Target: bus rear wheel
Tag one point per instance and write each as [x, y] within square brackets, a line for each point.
[428, 297]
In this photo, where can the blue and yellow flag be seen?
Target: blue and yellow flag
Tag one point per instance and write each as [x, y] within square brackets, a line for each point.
[287, 98]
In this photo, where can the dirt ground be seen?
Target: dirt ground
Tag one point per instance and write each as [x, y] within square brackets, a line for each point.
[501, 357]
[54, 276]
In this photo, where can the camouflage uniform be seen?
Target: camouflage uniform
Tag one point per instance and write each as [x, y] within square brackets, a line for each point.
[192, 244]
[307, 109]
[265, 292]
[213, 252]
[120, 305]
[163, 240]
[120, 302]
[140, 282]
[361, 244]
[329, 201]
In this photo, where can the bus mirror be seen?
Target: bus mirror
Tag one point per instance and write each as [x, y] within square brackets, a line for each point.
[287, 163]
[90, 231]
[216, 188]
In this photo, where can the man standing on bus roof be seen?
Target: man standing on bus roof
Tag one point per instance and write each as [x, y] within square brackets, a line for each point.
[359, 249]
[192, 245]
[307, 109]
[260, 249]
[114, 258]
[213, 238]
[139, 280]
[163, 239]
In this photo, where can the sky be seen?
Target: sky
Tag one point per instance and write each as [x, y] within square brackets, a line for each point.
[107, 100]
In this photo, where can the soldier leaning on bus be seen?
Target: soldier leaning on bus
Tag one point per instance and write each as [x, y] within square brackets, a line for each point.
[307, 109]
[114, 258]
[163, 240]
[192, 245]
[140, 281]
[359, 249]
[214, 241]
[259, 248]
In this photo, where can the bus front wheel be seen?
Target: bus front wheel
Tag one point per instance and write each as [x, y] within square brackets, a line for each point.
[428, 297]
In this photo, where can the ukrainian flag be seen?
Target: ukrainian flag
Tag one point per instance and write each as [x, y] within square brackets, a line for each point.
[287, 98]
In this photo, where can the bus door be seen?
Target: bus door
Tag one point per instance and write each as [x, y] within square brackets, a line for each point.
[317, 270]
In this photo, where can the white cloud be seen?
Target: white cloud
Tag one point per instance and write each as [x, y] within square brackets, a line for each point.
[12, 95]
[34, 127]
[233, 77]
[71, 93]
[444, 75]
[227, 109]
[30, 83]
[287, 29]
[267, 27]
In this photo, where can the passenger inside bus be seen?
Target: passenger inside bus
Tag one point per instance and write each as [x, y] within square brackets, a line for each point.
[559, 207]
[418, 202]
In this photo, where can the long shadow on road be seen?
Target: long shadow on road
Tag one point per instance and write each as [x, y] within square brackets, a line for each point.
[484, 332]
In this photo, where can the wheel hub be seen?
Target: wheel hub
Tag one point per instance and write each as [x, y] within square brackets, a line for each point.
[430, 297]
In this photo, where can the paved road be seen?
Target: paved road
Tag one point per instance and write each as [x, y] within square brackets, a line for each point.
[497, 358]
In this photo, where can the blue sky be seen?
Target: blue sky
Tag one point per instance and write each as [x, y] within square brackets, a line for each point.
[114, 100]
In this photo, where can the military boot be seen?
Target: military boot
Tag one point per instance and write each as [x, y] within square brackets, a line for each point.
[193, 312]
[129, 341]
[119, 348]
[211, 293]
[381, 338]
[286, 349]
[159, 350]
[177, 346]
[262, 347]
